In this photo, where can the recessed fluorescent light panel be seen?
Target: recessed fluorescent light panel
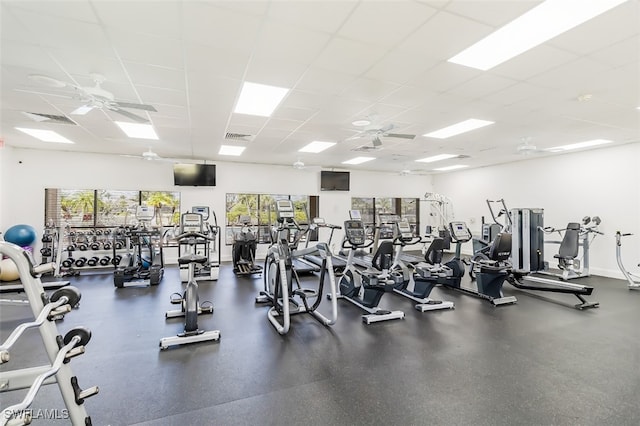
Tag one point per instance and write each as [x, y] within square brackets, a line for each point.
[448, 168]
[456, 129]
[259, 99]
[138, 130]
[540, 24]
[585, 144]
[45, 135]
[316, 146]
[358, 160]
[231, 150]
[435, 158]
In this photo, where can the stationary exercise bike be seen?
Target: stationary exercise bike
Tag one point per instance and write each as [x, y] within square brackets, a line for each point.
[420, 279]
[365, 288]
[244, 249]
[192, 227]
[633, 279]
[282, 288]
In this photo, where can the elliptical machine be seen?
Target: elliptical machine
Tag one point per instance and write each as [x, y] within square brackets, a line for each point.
[280, 275]
[365, 288]
[191, 225]
[632, 279]
[244, 249]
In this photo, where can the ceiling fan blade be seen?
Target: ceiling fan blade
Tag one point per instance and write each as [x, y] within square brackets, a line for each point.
[83, 110]
[399, 135]
[358, 135]
[386, 128]
[45, 80]
[44, 93]
[136, 106]
[129, 115]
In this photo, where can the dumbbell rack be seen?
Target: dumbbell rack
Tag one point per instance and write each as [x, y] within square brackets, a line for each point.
[60, 350]
[92, 249]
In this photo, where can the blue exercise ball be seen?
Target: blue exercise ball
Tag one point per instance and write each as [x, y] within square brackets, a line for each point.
[22, 235]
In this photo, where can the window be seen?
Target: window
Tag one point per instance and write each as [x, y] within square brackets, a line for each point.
[370, 208]
[88, 208]
[261, 210]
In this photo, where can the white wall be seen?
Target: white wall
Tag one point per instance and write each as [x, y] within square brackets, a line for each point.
[603, 182]
[28, 172]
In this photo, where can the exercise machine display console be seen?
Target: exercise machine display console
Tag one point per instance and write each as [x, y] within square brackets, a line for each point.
[460, 232]
[202, 210]
[354, 232]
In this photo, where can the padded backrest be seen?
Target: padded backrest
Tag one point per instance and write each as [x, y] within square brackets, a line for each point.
[383, 256]
[570, 241]
[433, 255]
[500, 248]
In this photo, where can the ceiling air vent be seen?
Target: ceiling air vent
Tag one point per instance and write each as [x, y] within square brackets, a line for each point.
[49, 118]
[238, 137]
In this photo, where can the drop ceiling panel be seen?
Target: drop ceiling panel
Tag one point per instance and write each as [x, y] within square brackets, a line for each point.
[157, 97]
[165, 22]
[534, 62]
[217, 27]
[149, 50]
[282, 41]
[299, 114]
[443, 77]
[602, 31]
[444, 35]
[153, 76]
[495, 13]
[349, 56]
[222, 62]
[275, 72]
[578, 75]
[86, 64]
[367, 89]
[57, 32]
[385, 23]
[398, 67]
[26, 55]
[80, 11]
[324, 82]
[481, 86]
[620, 54]
[312, 14]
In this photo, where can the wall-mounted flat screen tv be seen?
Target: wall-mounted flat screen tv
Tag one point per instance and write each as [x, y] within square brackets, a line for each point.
[194, 174]
[334, 181]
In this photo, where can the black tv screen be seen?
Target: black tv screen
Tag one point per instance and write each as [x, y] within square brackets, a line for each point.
[334, 181]
[194, 174]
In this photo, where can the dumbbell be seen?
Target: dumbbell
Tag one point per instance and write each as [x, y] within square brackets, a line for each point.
[105, 261]
[106, 245]
[98, 232]
[107, 232]
[82, 247]
[71, 247]
[80, 262]
[72, 233]
[45, 251]
[95, 245]
[93, 261]
[116, 260]
[118, 245]
[68, 262]
[47, 238]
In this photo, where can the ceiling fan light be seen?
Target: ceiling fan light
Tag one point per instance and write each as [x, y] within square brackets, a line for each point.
[361, 123]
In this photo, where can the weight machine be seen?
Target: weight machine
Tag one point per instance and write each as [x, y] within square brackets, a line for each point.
[632, 279]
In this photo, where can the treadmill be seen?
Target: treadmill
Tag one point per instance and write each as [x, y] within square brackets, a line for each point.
[339, 264]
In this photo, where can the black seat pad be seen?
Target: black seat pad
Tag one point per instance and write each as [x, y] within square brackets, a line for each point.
[192, 258]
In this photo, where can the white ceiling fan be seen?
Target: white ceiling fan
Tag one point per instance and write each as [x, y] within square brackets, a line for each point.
[150, 155]
[300, 165]
[527, 148]
[375, 133]
[93, 97]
